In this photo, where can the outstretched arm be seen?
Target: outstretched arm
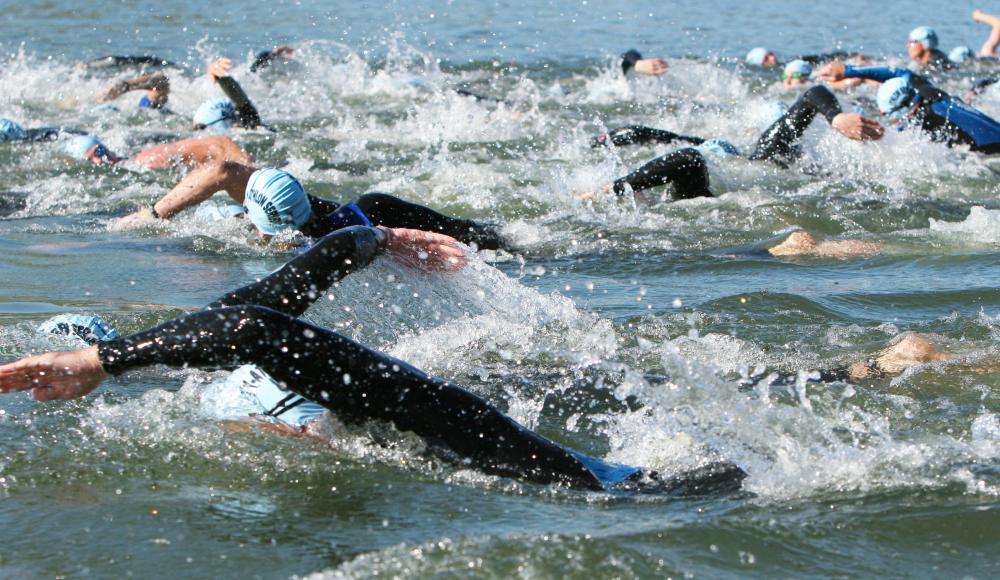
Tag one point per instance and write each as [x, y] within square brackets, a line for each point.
[246, 113]
[264, 58]
[156, 85]
[638, 134]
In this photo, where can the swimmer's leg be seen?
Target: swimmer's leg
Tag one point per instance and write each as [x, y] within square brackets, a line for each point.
[390, 211]
[777, 142]
[639, 135]
[355, 382]
[685, 169]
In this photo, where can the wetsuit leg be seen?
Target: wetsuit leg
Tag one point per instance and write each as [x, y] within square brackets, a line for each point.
[685, 169]
[777, 142]
[390, 211]
[639, 135]
[355, 382]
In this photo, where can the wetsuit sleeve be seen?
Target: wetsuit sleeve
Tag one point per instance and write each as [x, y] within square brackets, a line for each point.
[777, 143]
[980, 86]
[300, 282]
[246, 113]
[685, 169]
[815, 59]
[629, 59]
[638, 135]
[875, 73]
[42, 134]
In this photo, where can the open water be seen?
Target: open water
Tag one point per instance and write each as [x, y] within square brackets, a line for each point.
[619, 328]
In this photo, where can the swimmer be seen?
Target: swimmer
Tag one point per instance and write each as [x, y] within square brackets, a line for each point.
[804, 244]
[632, 60]
[922, 46]
[258, 324]
[276, 202]
[799, 73]
[765, 58]
[907, 96]
[106, 62]
[156, 85]
[266, 58]
[223, 113]
[188, 153]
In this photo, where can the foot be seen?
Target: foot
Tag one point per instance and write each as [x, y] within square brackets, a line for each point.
[54, 375]
[911, 350]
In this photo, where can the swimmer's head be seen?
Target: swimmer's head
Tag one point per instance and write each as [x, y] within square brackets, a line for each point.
[89, 148]
[90, 329]
[921, 40]
[219, 112]
[961, 54]
[719, 147]
[11, 131]
[796, 73]
[761, 56]
[275, 202]
[896, 97]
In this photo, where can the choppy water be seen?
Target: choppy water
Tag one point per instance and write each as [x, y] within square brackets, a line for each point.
[619, 328]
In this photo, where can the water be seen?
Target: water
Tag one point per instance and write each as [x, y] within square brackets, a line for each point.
[619, 329]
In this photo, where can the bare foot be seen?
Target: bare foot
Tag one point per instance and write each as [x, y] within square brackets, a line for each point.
[54, 375]
[911, 350]
[797, 244]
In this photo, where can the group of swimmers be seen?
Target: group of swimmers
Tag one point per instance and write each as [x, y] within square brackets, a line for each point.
[311, 368]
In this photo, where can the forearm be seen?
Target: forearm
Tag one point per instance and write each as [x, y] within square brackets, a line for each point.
[638, 135]
[245, 110]
[685, 169]
[296, 285]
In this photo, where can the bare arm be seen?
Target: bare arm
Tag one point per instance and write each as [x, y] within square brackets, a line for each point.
[157, 86]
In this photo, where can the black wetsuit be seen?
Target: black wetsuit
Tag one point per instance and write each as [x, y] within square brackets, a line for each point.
[128, 61]
[685, 169]
[629, 59]
[777, 143]
[257, 324]
[382, 209]
[640, 135]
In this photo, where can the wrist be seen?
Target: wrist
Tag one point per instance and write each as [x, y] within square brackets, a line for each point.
[155, 214]
[383, 235]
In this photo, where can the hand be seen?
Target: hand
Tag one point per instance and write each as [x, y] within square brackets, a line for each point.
[133, 221]
[283, 51]
[425, 250]
[54, 375]
[831, 72]
[651, 66]
[854, 126]
[593, 195]
[219, 68]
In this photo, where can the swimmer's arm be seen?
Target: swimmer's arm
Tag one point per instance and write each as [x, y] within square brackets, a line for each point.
[874, 73]
[266, 57]
[824, 102]
[247, 114]
[157, 84]
[296, 285]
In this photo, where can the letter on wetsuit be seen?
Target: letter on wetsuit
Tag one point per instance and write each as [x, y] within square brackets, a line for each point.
[256, 324]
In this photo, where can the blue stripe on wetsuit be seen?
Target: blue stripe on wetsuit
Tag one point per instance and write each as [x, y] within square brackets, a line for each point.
[983, 129]
[348, 215]
[609, 474]
[875, 73]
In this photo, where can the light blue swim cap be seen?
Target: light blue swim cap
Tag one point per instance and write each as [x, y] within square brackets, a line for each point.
[11, 131]
[78, 146]
[275, 201]
[218, 112]
[757, 55]
[961, 54]
[90, 329]
[925, 35]
[719, 147]
[798, 67]
[895, 97]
